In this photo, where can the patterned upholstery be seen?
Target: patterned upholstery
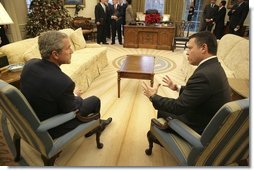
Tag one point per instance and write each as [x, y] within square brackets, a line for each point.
[27, 126]
[225, 140]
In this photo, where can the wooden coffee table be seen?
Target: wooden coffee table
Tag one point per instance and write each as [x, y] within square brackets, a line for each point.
[12, 78]
[136, 67]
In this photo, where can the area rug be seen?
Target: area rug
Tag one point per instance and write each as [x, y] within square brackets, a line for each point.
[162, 64]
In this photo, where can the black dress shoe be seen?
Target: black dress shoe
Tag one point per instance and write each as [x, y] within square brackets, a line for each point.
[105, 43]
[103, 125]
[120, 43]
[112, 43]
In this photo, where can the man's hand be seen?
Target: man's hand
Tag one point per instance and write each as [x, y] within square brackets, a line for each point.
[169, 83]
[150, 91]
[77, 92]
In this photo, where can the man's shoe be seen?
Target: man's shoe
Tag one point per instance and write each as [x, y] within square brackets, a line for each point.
[106, 122]
[103, 125]
[105, 43]
[112, 43]
[120, 43]
[90, 117]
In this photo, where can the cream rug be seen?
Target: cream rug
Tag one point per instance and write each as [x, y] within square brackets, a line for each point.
[125, 138]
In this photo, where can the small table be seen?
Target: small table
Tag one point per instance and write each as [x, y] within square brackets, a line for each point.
[240, 88]
[11, 77]
[136, 67]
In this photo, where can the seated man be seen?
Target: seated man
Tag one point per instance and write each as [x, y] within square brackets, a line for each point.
[205, 91]
[50, 91]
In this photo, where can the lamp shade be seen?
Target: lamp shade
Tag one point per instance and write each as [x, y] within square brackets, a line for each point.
[4, 17]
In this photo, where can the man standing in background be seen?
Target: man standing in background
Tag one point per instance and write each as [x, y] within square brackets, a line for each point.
[209, 15]
[220, 20]
[100, 21]
[237, 15]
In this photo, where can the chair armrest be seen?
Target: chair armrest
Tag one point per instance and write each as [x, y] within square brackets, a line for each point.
[56, 121]
[185, 132]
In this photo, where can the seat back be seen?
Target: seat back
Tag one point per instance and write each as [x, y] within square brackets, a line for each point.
[23, 119]
[226, 138]
[182, 28]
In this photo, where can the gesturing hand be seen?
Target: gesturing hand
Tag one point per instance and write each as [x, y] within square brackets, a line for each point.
[150, 91]
[169, 83]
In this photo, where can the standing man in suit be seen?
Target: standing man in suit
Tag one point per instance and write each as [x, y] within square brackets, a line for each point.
[100, 21]
[116, 21]
[209, 15]
[123, 6]
[50, 91]
[108, 20]
[205, 91]
[220, 20]
[237, 15]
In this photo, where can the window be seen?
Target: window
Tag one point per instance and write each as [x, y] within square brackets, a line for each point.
[155, 4]
[198, 12]
[28, 2]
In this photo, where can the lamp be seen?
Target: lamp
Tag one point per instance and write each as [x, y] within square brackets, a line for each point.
[4, 17]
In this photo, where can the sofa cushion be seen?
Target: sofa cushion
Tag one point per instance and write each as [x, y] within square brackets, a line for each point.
[69, 31]
[78, 39]
[14, 51]
[31, 53]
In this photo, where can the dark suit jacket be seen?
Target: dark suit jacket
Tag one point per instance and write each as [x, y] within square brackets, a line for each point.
[48, 89]
[100, 14]
[205, 92]
[240, 14]
[210, 12]
[220, 23]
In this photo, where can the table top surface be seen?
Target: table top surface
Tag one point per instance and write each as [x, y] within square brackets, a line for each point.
[138, 64]
[9, 76]
[240, 86]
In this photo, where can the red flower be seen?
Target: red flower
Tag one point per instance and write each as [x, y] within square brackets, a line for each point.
[152, 18]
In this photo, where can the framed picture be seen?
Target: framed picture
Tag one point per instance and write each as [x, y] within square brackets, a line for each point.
[73, 3]
[231, 3]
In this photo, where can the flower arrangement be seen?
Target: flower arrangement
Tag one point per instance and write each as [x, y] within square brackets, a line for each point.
[152, 18]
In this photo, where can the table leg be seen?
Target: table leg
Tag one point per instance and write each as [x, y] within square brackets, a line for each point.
[118, 84]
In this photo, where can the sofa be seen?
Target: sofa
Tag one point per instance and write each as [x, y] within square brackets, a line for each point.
[87, 62]
[233, 54]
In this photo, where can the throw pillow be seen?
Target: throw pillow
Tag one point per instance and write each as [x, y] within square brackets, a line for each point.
[78, 39]
[31, 53]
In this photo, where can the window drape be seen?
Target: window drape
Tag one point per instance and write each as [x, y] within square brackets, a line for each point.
[174, 8]
[138, 5]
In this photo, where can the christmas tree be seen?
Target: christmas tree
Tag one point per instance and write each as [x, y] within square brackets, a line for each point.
[46, 15]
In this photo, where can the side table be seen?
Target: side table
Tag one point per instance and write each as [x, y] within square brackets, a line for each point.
[12, 78]
[240, 88]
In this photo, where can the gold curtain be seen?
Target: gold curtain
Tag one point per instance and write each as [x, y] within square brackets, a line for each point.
[138, 5]
[174, 8]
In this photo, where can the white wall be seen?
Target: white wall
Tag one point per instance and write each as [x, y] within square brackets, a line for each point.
[88, 11]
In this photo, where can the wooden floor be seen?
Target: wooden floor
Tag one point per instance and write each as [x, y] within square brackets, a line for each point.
[125, 138]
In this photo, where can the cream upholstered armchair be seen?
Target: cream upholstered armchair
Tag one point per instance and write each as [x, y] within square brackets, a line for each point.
[225, 140]
[27, 126]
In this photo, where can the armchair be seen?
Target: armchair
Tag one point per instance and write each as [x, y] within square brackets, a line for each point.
[27, 126]
[182, 34]
[225, 140]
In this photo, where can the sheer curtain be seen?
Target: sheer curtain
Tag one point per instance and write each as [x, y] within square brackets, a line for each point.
[174, 8]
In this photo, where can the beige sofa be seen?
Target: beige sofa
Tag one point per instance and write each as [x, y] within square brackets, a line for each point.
[87, 59]
[233, 53]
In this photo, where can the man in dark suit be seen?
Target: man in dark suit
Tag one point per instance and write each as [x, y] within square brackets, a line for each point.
[100, 21]
[116, 21]
[50, 91]
[220, 20]
[205, 91]
[237, 15]
[209, 15]
[123, 6]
